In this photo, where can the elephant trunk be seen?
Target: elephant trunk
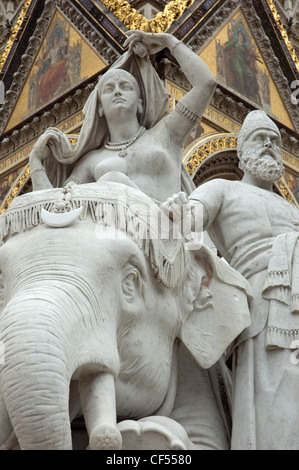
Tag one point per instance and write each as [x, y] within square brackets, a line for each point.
[53, 334]
[35, 377]
[39, 414]
[54, 328]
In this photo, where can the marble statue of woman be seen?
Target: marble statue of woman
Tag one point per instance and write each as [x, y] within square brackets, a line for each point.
[127, 126]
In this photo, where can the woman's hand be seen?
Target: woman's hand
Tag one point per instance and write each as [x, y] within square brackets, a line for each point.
[142, 43]
[41, 149]
[40, 152]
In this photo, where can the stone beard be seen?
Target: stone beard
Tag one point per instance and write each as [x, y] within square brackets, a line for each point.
[260, 163]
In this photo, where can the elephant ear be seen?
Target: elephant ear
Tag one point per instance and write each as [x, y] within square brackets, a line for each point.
[220, 311]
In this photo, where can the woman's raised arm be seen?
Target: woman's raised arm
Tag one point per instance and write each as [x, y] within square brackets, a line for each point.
[193, 104]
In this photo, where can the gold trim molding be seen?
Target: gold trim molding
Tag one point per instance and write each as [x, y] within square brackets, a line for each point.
[284, 189]
[132, 19]
[219, 144]
[283, 32]
[14, 31]
[14, 192]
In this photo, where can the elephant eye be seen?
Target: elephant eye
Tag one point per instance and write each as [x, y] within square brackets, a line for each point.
[132, 283]
[131, 278]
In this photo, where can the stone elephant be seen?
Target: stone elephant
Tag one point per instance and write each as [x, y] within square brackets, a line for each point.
[95, 303]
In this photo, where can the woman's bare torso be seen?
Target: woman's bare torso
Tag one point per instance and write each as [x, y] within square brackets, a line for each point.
[151, 162]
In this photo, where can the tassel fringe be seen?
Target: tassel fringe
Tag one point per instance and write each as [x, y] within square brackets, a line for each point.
[167, 256]
[277, 278]
[281, 338]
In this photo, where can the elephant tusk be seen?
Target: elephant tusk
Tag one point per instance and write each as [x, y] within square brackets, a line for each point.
[97, 394]
[53, 219]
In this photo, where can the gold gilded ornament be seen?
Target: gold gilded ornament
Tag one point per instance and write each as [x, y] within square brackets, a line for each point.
[283, 32]
[14, 31]
[132, 19]
[206, 150]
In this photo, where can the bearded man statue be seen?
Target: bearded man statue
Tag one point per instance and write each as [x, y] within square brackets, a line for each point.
[256, 231]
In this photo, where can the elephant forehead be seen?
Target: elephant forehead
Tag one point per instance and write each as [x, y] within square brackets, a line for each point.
[63, 258]
[84, 238]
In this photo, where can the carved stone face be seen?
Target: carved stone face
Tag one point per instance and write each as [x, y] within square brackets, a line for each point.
[261, 155]
[118, 90]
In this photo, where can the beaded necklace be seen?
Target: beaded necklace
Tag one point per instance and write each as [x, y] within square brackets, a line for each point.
[122, 146]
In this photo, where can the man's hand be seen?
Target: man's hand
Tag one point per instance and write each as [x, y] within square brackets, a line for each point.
[187, 219]
[174, 205]
[178, 208]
